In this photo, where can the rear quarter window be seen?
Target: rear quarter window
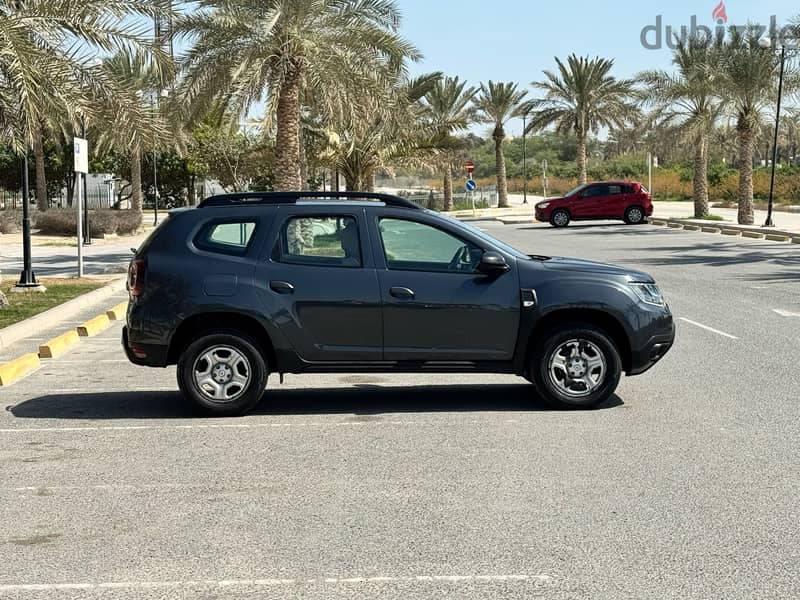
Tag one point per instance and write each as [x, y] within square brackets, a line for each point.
[226, 237]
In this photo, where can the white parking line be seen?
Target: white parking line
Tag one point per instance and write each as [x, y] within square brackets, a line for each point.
[255, 583]
[707, 328]
[785, 313]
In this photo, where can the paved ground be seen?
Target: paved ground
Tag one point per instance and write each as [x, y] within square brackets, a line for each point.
[684, 486]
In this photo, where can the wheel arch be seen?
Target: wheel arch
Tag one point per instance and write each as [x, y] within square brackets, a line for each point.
[598, 318]
[191, 327]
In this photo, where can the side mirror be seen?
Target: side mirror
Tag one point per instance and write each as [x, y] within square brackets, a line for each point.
[492, 263]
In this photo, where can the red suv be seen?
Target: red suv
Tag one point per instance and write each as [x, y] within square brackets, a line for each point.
[626, 200]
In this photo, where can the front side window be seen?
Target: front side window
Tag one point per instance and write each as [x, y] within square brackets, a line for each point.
[320, 240]
[614, 190]
[231, 237]
[595, 191]
[412, 246]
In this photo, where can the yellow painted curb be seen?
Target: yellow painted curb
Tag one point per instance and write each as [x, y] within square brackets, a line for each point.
[774, 237]
[710, 230]
[94, 326]
[753, 234]
[731, 232]
[118, 312]
[691, 227]
[675, 225]
[18, 368]
[796, 240]
[657, 222]
[59, 345]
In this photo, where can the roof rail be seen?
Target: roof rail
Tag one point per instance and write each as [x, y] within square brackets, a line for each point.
[293, 197]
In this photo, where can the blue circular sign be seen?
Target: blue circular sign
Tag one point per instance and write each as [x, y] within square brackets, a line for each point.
[471, 185]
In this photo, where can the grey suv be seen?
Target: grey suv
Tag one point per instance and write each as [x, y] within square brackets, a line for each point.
[248, 285]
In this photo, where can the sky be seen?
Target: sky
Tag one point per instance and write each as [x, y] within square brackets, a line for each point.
[514, 40]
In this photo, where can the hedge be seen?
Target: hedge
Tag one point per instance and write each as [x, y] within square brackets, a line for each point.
[10, 221]
[104, 221]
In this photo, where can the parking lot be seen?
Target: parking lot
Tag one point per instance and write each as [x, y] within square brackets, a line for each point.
[685, 485]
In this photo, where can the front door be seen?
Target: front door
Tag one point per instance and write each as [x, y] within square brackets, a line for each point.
[591, 202]
[318, 282]
[436, 306]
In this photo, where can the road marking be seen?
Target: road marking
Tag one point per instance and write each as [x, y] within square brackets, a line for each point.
[132, 585]
[707, 328]
[785, 313]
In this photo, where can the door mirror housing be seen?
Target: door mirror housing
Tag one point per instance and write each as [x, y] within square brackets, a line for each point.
[492, 263]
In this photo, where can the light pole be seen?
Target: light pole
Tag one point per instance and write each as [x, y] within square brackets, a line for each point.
[769, 222]
[27, 278]
[524, 157]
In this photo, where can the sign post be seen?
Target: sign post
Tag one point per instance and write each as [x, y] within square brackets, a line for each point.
[471, 185]
[81, 169]
[544, 178]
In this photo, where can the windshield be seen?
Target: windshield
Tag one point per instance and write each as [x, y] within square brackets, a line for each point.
[576, 190]
[486, 237]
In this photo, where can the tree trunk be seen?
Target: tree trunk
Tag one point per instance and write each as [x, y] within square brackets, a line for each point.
[500, 167]
[136, 179]
[448, 188]
[700, 184]
[351, 182]
[287, 139]
[581, 157]
[42, 201]
[746, 146]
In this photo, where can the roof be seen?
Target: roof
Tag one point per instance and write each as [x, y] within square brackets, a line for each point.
[249, 198]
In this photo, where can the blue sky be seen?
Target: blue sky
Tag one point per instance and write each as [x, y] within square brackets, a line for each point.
[514, 40]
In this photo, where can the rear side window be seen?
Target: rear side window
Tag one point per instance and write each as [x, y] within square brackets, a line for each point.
[226, 237]
[594, 191]
[326, 241]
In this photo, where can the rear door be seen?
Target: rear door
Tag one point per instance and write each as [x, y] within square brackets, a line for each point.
[317, 281]
[616, 200]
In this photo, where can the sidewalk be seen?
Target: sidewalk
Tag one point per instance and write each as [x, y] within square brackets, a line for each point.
[784, 221]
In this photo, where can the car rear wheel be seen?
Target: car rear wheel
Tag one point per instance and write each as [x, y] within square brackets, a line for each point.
[634, 215]
[222, 373]
[577, 366]
[559, 218]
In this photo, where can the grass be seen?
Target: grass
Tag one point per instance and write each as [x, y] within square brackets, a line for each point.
[25, 305]
[708, 217]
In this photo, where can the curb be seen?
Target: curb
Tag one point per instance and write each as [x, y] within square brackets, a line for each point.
[59, 345]
[94, 326]
[118, 312]
[753, 235]
[730, 229]
[18, 368]
[42, 321]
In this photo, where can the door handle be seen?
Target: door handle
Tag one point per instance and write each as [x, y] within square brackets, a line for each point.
[281, 287]
[402, 293]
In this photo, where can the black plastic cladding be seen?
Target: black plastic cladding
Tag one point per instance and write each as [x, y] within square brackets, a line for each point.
[293, 197]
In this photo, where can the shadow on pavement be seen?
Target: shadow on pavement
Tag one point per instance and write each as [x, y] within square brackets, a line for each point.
[360, 400]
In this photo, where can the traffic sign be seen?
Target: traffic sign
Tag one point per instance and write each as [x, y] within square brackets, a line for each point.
[471, 185]
[81, 155]
[470, 167]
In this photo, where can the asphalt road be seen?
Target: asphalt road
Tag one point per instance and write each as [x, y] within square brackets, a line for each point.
[684, 486]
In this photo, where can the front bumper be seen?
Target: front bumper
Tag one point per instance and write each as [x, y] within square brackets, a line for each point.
[654, 350]
[145, 355]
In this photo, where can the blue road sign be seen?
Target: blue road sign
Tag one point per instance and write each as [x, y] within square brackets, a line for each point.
[471, 185]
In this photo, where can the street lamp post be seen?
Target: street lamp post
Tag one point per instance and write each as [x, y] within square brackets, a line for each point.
[769, 222]
[27, 278]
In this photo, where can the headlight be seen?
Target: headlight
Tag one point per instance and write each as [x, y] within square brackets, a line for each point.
[543, 205]
[649, 293]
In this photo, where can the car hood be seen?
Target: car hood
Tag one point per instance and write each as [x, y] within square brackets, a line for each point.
[551, 200]
[561, 263]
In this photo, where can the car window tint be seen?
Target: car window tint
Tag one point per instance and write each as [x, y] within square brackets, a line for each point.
[320, 240]
[595, 190]
[230, 237]
[412, 246]
[614, 190]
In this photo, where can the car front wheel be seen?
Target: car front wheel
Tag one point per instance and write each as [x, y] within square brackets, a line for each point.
[577, 366]
[222, 373]
[559, 218]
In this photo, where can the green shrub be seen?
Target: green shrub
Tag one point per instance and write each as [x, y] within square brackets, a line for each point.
[10, 221]
[104, 221]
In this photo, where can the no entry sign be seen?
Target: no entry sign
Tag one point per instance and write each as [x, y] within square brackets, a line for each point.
[470, 167]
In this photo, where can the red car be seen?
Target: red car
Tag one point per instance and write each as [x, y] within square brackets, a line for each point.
[626, 200]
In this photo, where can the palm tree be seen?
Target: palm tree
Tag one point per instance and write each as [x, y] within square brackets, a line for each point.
[497, 103]
[294, 52]
[450, 109]
[749, 80]
[46, 71]
[688, 99]
[582, 98]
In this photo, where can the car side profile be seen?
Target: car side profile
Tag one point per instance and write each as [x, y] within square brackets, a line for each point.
[626, 200]
[250, 285]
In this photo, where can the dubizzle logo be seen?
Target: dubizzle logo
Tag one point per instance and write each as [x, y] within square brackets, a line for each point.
[719, 14]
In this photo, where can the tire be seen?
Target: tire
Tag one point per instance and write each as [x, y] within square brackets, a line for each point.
[598, 363]
[234, 368]
[635, 215]
[559, 218]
